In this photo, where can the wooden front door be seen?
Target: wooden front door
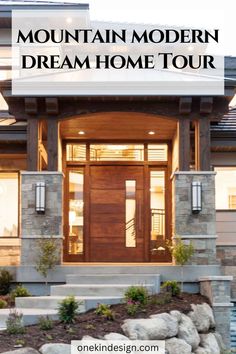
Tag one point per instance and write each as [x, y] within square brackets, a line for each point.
[116, 214]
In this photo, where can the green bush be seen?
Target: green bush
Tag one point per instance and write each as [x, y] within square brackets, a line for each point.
[68, 309]
[172, 287]
[132, 307]
[14, 323]
[47, 256]
[5, 281]
[3, 304]
[45, 323]
[105, 311]
[20, 291]
[137, 294]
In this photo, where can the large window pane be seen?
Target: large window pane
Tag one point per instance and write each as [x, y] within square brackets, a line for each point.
[157, 152]
[225, 188]
[76, 211]
[8, 204]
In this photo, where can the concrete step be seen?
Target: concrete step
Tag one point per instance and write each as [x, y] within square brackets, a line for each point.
[95, 289]
[140, 279]
[52, 302]
[30, 316]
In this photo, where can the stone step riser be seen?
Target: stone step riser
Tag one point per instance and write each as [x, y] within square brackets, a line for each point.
[90, 290]
[117, 269]
[129, 279]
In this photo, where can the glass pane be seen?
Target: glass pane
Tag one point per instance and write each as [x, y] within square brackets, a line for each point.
[76, 211]
[109, 152]
[225, 188]
[76, 152]
[157, 152]
[130, 213]
[9, 204]
[157, 199]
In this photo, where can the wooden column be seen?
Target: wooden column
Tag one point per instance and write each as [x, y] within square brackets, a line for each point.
[202, 145]
[33, 144]
[184, 144]
[53, 144]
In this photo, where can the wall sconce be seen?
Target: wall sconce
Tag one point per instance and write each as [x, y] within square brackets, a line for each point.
[196, 197]
[40, 197]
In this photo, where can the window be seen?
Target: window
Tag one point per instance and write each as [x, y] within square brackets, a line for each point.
[110, 152]
[225, 188]
[8, 204]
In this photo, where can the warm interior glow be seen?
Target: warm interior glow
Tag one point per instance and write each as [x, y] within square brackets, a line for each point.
[9, 204]
[225, 188]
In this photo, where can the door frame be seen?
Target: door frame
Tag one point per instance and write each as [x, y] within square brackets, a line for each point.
[148, 166]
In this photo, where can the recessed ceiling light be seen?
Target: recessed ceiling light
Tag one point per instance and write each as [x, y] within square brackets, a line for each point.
[81, 132]
[151, 133]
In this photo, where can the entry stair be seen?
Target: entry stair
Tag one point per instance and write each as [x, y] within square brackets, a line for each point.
[89, 289]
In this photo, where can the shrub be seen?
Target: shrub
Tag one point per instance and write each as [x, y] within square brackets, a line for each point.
[5, 281]
[3, 304]
[137, 294]
[105, 311]
[14, 323]
[20, 291]
[47, 256]
[68, 309]
[45, 323]
[132, 307]
[172, 287]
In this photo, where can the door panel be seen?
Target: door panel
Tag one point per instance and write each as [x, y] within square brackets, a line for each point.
[108, 214]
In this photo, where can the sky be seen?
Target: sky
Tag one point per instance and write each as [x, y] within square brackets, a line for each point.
[200, 13]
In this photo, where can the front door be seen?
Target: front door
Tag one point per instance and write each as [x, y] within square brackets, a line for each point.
[116, 214]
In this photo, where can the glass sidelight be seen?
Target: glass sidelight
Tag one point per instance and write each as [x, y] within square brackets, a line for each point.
[157, 207]
[130, 213]
[76, 212]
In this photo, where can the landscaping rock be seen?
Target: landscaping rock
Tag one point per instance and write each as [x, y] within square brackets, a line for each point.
[220, 342]
[146, 329]
[208, 341]
[176, 314]
[201, 350]
[177, 346]
[171, 323]
[115, 336]
[187, 332]
[22, 351]
[55, 348]
[202, 317]
[88, 338]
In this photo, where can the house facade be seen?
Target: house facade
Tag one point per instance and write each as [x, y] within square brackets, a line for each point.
[114, 178]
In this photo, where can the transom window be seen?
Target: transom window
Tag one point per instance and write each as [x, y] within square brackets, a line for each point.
[116, 152]
[225, 188]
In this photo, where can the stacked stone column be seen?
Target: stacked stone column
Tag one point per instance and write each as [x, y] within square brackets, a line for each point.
[200, 228]
[36, 226]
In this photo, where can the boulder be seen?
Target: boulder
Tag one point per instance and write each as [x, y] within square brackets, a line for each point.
[55, 348]
[187, 332]
[88, 338]
[220, 342]
[177, 346]
[22, 351]
[208, 341]
[115, 336]
[201, 350]
[171, 323]
[202, 317]
[176, 314]
[145, 329]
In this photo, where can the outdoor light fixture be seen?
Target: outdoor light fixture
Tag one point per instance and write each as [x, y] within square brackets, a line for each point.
[196, 197]
[40, 197]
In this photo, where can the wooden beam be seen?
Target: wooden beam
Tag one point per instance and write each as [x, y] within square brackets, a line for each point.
[185, 105]
[51, 104]
[202, 145]
[184, 144]
[206, 105]
[33, 144]
[53, 144]
[31, 106]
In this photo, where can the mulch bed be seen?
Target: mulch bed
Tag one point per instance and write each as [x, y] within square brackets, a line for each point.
[96, 325]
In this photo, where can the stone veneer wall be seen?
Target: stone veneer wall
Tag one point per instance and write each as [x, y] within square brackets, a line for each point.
[36, 226]
[200, 229]
[227, 256]
[217, 289]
